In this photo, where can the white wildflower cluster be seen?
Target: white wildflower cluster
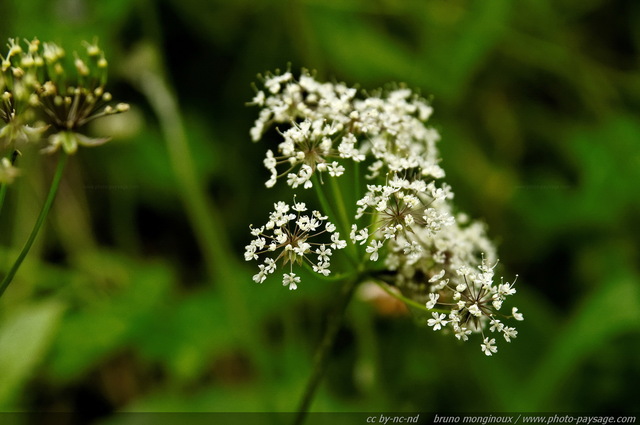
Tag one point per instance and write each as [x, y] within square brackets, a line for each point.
[400, 212]
[292, 237]
[454, 279]
[473, 301]
[329, 125]
[403, 222]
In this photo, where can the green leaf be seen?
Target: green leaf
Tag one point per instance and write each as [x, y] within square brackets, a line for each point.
[25, 338]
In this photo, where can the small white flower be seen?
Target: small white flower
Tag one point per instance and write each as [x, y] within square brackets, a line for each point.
[323, 253]
[509, 332]
[335, 169]
[433, 300]
[336, 243]
[496, 325]
[291, 280]
[373, 248]
[322, 268]
[299, 207]
[437, 322]
[258, 98]
[516, 315]
[261, 276]
[436, 276]
[505, 289]
[361, 235]
[497, 304]
[475, 310]
[488, 346]
[413, 249]
[256, 231]
[462, 333]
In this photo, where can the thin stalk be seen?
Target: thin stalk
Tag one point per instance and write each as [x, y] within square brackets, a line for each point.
[406, 300]
[328, 209]
[356, 181]
[324, 203]
[322, 355]
[206, 220]
[5, 186]
[36, 228]
[3, 193]
[342, 209]
[333, 278]
[343, 222]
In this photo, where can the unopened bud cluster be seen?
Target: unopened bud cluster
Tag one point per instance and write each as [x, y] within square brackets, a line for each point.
[48, 96]
[405, 231]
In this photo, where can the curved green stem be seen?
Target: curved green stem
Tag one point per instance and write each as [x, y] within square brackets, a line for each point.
[36, 228]
[322, 355]
[333, 278]
[406, 300]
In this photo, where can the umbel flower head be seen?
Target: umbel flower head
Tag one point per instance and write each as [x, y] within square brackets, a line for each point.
[328, 122]
[403, 230]
[73, 96]
[19, 79]
[44, 90]
[292, 237]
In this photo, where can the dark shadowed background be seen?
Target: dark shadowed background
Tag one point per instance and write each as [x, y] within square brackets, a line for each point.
[123, 306]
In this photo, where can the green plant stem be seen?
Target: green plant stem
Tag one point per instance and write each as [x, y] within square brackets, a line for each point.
[330, 278]
[204, 217]
[335, 217]
[406, 300]
[324, 203]
[36, 228]
[357, 190]
[342, 210]
[3, 193]
[322, 355]
[343, 218]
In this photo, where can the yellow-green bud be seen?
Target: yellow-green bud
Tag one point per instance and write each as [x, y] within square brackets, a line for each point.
[122, 107]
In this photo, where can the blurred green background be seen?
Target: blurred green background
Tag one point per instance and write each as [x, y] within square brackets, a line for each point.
[136, 297]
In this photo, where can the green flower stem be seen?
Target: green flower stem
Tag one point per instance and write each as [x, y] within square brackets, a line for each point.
[324, 203]
[342, 210]
[331, 278]
[344, 216]
[322, 355]
[406, 300]
[36, 228]
[328, 209]
[5, 186]
[3, 193]
[357, 189]
[204, 217]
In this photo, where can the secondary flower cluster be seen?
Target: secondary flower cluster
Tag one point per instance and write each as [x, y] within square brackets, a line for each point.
[293, 239]
[44, 94]
[402, 223]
